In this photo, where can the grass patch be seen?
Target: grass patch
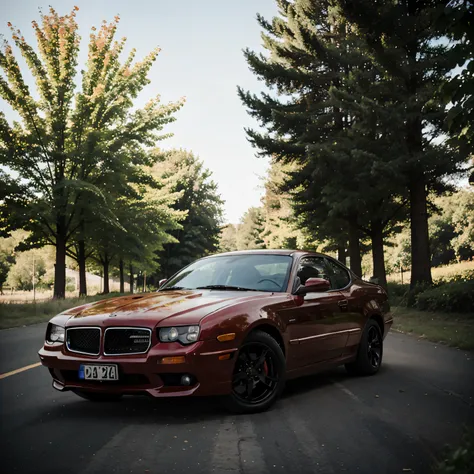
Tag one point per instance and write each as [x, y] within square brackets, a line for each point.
[454, 329]
[460, 459]
[446, 272]
[14, 315]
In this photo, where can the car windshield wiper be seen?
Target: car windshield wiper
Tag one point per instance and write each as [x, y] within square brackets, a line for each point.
[225, 287]
[174, 288]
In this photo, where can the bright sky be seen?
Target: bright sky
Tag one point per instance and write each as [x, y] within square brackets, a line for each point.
[201, 58]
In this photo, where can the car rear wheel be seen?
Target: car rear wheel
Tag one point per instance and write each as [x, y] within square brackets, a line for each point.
[97, 396]
[370, 352]
[259, 374]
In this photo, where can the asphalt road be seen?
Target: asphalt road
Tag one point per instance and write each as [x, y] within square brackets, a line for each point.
[397, 421]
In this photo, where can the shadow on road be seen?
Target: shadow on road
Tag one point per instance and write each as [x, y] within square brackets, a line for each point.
[147, 410]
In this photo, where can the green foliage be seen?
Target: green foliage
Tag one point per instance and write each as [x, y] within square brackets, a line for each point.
[356, 112]
[69, 144]
[398, 293]
[279, 226]
[460, 459]
[228, 238]
[198, 204]
[7, 259]
[456, 296]
[452, 228]
[249, 235]
[459, 26]
[21, 274]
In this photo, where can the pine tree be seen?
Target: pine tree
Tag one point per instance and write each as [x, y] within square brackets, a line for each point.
[406, 47]
[307, 55]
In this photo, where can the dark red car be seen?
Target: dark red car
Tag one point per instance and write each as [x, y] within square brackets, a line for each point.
[237, 324]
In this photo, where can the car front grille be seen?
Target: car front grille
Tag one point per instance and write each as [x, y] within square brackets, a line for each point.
[120, 341]
[83, 340]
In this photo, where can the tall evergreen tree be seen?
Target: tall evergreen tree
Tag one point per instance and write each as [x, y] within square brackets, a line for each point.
[407, 48]
[250, 231]
[279, 229]
[458, 24]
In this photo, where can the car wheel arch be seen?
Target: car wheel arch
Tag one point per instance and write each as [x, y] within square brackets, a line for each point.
[271, 329]
[379, 320]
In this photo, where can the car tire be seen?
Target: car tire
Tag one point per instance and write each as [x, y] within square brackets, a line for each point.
[97, 396]
[370, 351]
[273, 373]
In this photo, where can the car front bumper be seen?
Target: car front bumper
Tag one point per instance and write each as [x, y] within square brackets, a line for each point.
[206, 362]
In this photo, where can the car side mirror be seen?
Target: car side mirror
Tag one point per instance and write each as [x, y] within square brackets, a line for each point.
[313, 285]
[162, 282]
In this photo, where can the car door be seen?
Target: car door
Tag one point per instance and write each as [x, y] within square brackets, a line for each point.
[317, 320]
[352, 320]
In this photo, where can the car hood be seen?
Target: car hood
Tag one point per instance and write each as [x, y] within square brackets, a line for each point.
[184, 306]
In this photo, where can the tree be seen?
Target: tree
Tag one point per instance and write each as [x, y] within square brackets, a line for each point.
[184, 174]
[452, 227]
[8, 254]
[458, 23]
[228, 238]
[404, 42]
[307, 55]
[279, 222]
[249, 235]
[21, 273]
[65, 142]
[7, 259]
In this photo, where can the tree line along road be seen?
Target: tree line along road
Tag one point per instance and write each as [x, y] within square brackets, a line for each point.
[397, 421]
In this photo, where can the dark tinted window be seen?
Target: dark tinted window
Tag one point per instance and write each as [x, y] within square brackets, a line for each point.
[312, 267]
[338, 276]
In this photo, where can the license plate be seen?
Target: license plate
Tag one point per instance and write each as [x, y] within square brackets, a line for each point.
[98, 372]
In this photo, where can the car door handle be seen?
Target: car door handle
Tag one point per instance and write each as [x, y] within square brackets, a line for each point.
[343, 304]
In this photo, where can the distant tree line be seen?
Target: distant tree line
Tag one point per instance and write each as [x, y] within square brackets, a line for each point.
[369, 107]
[81, 172]
[274, 226]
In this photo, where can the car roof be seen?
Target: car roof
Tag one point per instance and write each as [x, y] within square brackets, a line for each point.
[265, 252]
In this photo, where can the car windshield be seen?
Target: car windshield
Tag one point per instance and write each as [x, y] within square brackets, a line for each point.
[260, 272]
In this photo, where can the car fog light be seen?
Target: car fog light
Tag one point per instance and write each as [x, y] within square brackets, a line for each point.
[185, 380]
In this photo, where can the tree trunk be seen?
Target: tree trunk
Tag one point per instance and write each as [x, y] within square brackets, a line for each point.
[354, 249]
[341, 253]
[105, 264]
[378, 256]
[122, 283]
[81, 260]
[420, 243]
[131, 278]
[60, 264]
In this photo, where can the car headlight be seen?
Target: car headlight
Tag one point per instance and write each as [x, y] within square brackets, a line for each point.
[55, 333]
[183, 334]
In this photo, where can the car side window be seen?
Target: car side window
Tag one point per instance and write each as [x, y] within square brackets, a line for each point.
[312, 267]
[338, 276]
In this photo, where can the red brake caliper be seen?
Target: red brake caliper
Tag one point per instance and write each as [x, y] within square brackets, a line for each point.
[265, 367]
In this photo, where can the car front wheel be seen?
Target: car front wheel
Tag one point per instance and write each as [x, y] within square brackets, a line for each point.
[259, 374]
[98, 397]
[370, 352]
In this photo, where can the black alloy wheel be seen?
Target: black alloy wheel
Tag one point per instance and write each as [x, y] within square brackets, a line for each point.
[370, 351]
[255, 375]
[374, 347]
[259, 374]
